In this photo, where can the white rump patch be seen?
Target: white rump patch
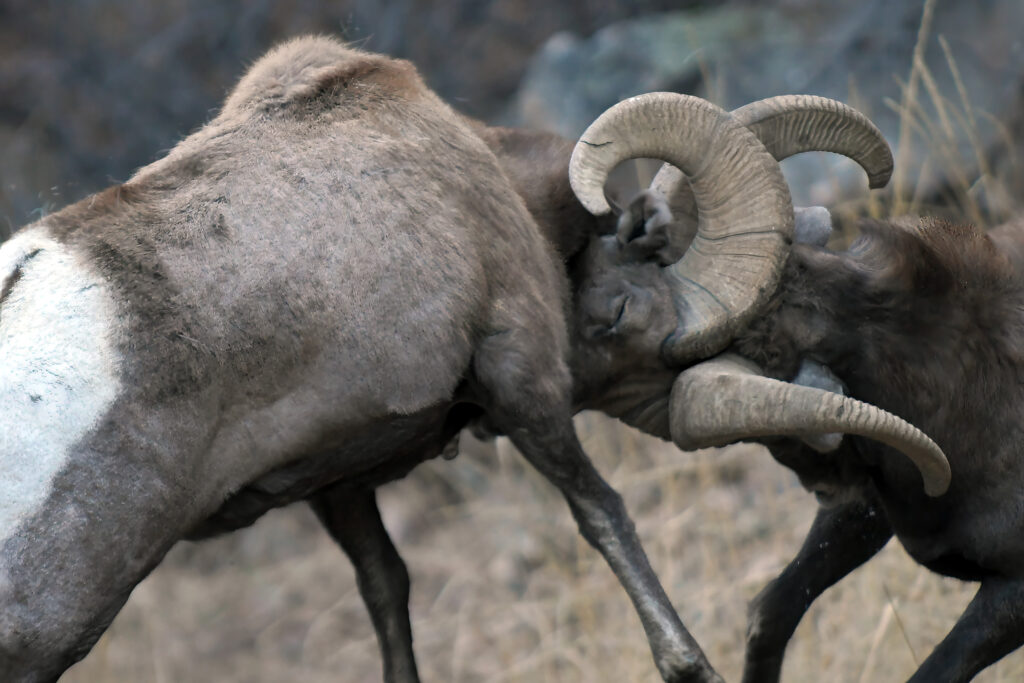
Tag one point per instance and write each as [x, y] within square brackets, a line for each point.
[58, 365]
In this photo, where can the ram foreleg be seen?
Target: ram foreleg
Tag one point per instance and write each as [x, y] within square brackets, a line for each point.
[352, 518]
[526, 394]
[841, 539]
[990, 628]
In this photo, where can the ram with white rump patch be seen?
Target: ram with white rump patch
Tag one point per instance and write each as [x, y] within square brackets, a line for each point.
[317, 291]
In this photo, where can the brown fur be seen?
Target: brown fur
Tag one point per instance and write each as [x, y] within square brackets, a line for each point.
[924, 319]
[316, 291]
[290, 75]
[537, 163]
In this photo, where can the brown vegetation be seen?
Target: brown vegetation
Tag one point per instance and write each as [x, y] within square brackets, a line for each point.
[505, 590]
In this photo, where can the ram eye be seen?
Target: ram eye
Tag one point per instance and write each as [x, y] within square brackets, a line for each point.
[620, 311]
[607, 321]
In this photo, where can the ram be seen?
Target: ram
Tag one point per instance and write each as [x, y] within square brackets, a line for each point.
[922, 318]
[315, 292]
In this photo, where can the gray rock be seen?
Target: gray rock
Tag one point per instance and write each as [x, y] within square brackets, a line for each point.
[91, 90]
[859, 52]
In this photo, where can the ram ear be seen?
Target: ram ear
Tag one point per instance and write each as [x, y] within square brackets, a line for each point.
[642, 226]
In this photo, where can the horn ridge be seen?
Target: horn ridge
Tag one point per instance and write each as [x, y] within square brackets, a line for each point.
[738, 189]
[727, 399]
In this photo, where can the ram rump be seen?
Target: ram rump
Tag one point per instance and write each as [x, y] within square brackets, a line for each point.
[315, 292]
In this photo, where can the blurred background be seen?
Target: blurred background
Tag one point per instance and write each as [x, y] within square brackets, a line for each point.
[503, 587]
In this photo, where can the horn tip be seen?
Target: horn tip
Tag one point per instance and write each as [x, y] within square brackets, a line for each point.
[881, 177]
[936, 487]
[598, 206]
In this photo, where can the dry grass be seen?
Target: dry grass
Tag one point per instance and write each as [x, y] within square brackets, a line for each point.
[505, 590]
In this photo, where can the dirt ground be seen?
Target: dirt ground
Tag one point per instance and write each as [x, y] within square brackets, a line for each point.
[504, 589]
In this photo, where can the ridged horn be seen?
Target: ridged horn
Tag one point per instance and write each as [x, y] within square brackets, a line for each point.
[791, 124]
[746, 214]
[726, 399]
[788, 125]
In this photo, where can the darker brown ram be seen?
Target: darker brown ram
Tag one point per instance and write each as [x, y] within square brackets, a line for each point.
[924, 319]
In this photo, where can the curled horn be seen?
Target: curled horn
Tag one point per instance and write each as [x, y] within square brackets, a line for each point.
[745, 220]
[788, 125]
[726, 399]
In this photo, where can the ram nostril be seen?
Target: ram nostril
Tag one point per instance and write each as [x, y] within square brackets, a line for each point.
[639, 228]
[604, 320]
[619, 313]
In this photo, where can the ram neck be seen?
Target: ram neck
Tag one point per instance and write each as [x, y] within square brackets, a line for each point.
[929, 347]
[537, 163]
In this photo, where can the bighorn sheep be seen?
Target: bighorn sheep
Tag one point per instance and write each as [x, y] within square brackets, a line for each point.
[924, 319]
[315, 292]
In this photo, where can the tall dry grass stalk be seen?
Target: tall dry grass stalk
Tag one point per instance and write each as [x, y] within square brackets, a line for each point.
[935, 127]
[900, 177]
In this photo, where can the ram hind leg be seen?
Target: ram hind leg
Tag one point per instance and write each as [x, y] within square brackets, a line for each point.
[990, 628]
[352, 518]
[841, 539]
[527, 395]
